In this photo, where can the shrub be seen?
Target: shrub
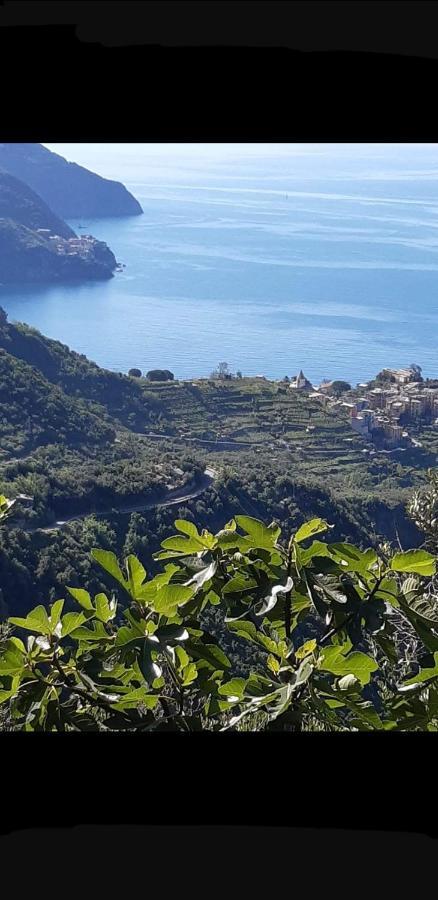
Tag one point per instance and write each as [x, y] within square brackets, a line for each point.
[160, 375]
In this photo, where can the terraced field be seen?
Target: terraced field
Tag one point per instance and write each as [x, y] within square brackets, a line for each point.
[287, 431]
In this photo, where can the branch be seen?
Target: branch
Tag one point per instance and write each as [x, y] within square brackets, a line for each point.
[288, 606]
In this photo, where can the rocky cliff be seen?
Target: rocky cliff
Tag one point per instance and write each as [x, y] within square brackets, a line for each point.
[71, 191]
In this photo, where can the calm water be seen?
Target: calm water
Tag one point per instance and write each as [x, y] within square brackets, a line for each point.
[323, 258]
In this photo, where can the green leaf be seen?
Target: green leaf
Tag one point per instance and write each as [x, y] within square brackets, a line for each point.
[168, 554]
[136, 575]
[55, 614]
[82, 597]
[136, 698]
[258, 534]
[309, 529]
[108, 562]
[170, 596]
[239, 584]
[228, 540]
[129, 635]
[37, 621]
[249, 632]
[213, 655]
[243, 629]
[351, 559]
[71, 621]
[190, 675]
[234, 688]
[185, 546]
[91, 635]
[188, 528]
[103, 609]
[12, 660]
[420, 562]
[306, 649]
[6, 695]
[317, 548]
[356, 663]
[182, 657]
[273, 664]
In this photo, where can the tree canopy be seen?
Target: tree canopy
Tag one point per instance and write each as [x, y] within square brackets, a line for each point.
[339, 639]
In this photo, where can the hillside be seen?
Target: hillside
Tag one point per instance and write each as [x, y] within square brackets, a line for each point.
[21, 204]
[71, 191]
[81, 440]
[119, 396]
[34, 412]
[38, 247]
[29, 258]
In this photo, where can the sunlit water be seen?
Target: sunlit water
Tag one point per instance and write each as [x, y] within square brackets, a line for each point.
[325, 260]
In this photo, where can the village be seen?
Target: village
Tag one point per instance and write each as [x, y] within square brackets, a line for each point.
[83, 246]
[381, 411]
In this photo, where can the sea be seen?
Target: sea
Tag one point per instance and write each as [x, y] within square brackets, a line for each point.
[270, 257]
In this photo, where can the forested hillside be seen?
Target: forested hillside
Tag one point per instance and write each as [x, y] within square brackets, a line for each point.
[83, 441]
[118, 396]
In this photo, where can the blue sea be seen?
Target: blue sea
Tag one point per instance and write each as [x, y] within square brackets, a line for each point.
[273, 258]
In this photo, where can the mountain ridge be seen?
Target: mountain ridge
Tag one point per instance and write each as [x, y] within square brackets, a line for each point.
[70, 190]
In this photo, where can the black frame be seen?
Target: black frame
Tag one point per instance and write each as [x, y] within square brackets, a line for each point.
[58, 87]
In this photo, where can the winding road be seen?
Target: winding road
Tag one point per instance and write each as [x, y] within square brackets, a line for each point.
[174, 497]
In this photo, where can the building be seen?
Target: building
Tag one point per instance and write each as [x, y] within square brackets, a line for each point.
[301, 383]
[360, 426]
[400, 376]
[320, 397]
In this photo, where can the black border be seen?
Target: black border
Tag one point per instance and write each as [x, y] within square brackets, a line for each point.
[62, 87]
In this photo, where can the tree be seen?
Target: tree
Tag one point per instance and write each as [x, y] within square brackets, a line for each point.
[135, 373]
[417, 371]
[223, 371]
[340, 387]
[160, 375]
[322, 623]
[239, 374]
